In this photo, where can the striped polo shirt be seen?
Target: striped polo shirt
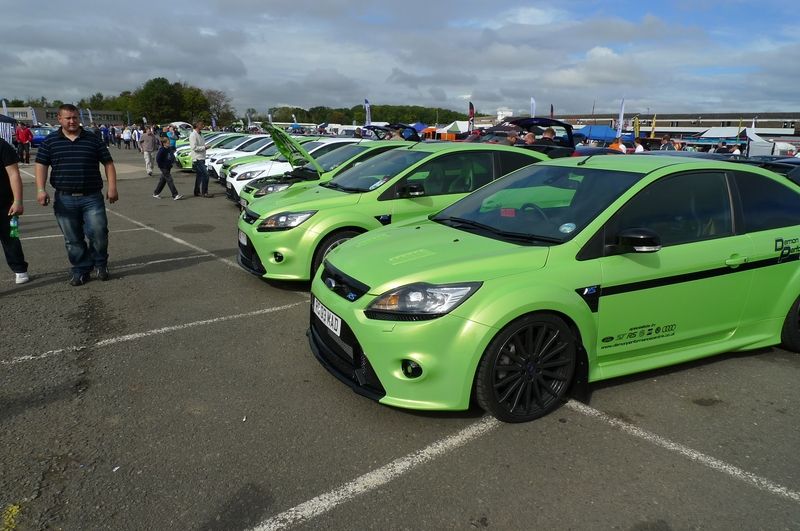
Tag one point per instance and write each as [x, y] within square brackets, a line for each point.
[74, 164]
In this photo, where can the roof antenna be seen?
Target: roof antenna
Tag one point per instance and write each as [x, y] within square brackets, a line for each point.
[584, 161]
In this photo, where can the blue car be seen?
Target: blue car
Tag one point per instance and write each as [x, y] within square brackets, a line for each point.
[40, 133]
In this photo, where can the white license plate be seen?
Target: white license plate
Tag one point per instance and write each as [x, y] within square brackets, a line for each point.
[243, 202]
[328, 318]
[242, 238]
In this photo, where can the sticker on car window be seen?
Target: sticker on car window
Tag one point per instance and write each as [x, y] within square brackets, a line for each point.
[566, 228]
[378, 183]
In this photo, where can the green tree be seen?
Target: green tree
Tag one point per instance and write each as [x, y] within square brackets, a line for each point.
[219, 105]
[195, 104]
[159, 100]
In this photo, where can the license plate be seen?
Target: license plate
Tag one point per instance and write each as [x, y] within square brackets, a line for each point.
[243, 202]
[328, 318]
[242, 238]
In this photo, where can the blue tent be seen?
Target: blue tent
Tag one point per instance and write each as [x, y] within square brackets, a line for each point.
[419, 126]
[602, 133]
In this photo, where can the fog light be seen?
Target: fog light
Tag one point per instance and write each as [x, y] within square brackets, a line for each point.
[278, 257]
[411, 369]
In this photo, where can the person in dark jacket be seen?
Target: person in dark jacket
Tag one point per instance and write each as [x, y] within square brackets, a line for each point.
[165, 158]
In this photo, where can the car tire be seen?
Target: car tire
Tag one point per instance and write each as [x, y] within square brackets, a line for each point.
[527, 369]
[331, 242]
[790, 334]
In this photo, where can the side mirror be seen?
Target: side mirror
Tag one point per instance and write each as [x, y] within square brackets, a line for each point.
[412, 190]
[638, 240]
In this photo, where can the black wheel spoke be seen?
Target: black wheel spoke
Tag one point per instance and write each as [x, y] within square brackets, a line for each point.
[510, 390]
[507, 380]
[553, 375]
[558, 349]
[519, 394]
[518, 352]
[546, 387]
[537, 392]
[555, 363]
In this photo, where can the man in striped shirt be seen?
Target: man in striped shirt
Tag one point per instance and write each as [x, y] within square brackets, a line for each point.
[73, 156]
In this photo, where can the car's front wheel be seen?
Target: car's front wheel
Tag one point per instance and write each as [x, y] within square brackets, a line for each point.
[527, 368]
[331, 242]
[790, 334]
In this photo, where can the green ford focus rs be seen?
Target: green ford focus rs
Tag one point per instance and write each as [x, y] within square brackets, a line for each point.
[577, 269]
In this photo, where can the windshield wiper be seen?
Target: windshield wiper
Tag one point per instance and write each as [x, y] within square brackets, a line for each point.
[334, 186]
[519, 236]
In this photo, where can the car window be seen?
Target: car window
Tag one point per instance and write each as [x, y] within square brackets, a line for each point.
[767, 204]
[510, 161]
[333, 159]
[683, 208]
[378, 170]
[456, 173]
[539, 201]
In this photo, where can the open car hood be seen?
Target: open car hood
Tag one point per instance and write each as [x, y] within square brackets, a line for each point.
[537, 125]
[291, 149]
[384, 132]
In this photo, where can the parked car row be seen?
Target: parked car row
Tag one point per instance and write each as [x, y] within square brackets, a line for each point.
[446, 273]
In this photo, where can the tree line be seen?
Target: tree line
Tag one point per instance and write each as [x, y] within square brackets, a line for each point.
[160, 101]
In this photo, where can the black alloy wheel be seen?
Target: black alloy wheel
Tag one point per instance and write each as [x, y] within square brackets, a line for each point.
[527, 368]
[331, 242]
[790, 334]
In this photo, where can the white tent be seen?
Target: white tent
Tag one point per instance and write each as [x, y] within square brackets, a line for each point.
[755, 144]
[459, 126]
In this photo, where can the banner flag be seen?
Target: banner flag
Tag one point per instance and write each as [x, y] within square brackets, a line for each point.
[552, 113]
[653, 127]
[91, 120]
[471, 117]
[213, 122]
[621, 119]
[367, 113]
[34, 120]
[533, 107]
[5, 109]
[80, 111]
[636, 127]
[269, 117]
[144, 120]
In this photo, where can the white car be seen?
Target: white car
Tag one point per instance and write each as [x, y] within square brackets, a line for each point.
[241, 175]
[252, 146]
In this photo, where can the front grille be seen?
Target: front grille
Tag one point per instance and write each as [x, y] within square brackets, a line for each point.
[249, 259]
[342, 284]
[343, 358]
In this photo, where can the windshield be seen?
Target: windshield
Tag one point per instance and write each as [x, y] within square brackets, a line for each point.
[376, 171]
[256, 144]
[270, 151]
[217, 141]
[332, 159]
[230, 142]
[549, 204]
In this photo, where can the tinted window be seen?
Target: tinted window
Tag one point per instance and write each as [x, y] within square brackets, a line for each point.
[512, 161]
[681, 209]
[378, 170]
[453, 174]
[767, 204]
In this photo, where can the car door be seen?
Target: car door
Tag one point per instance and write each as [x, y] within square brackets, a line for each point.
[437, 183]
[771, 218]
[689, 293]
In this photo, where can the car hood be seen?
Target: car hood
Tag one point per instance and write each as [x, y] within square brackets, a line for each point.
[430, 252]
[300, 199]
[290, 148]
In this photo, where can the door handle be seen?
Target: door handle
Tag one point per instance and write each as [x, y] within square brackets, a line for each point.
[736, 261]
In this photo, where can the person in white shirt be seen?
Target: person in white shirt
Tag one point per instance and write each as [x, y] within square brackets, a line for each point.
[639, 147]
[197, 148]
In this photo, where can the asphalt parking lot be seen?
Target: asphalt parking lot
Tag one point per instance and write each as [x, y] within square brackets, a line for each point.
[182, 394]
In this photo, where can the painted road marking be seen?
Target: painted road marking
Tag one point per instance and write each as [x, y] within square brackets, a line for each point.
[381, 476]
[148, 333]
[175, 239]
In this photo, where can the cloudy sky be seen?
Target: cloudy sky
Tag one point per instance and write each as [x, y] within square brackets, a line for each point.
[663, 56]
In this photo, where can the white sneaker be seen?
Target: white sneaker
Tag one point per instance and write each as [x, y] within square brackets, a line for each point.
[156, 196]
[22, 278]
[179, 196]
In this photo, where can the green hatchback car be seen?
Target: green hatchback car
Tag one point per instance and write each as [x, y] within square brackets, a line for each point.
[286, 235]
[575, 269]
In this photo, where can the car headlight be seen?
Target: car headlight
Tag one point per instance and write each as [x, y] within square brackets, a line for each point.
[417, 302]
[284, 220]
[271, 189]
[246, 176]
[224, 160]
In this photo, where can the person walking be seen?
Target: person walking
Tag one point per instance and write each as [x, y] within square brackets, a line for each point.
[73, 157]
[165, 159]
[24, 140]
[148, 146]
[197, 148]
[11, 203]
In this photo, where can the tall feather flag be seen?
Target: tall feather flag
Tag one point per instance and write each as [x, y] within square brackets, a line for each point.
[144, 120]
[91, 120]
[753, 126]
[533, 107]
[294, 119]
[269, 117]
[367, 113]
[471, 117]
[213, 122]
[80, 111]
[621, 118]
[653, 127]
[552, 111]
[739, 128]
[250, 120]
[34, 120]
[5, 109]
[636, 126]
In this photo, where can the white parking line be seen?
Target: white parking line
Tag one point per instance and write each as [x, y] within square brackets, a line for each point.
[383, 475]
[175, 239]
[377, 478]
[61, 235]
[148, 333]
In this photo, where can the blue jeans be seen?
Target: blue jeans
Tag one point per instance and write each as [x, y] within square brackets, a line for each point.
[83, 218]
[201, 177]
